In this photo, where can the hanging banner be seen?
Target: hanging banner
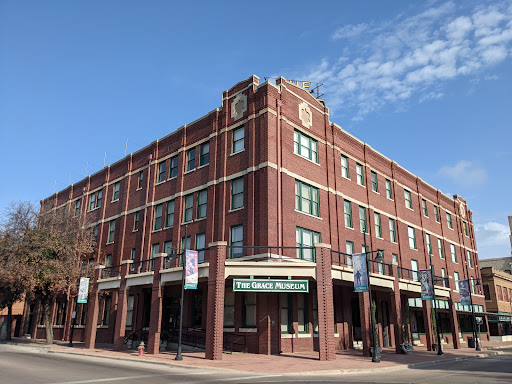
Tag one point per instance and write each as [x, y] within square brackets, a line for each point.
[360, 273]
[427, 288]
[83, 290]
[464, 292]
[191, 273]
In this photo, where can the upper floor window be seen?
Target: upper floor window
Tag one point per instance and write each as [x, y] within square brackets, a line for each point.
[440, 247]
[456, 279]
[174, 167]
[306, 238]
[453, 252]
[359, 174]
[200, 246]
[161, 171]
[187, 211]
[115, 194]
[362, 219]
[378, 227]
[470, 260]
[412, 237]
[78, 205]
[392, 230]
[158, 217]
[375, 183]
[429, 244]
[344, 167]
[136, 222]
[95, 200]
[389, 191]
[205, 154]
[408, 200]
[237, 193]
[424, 206]
[415, 268]
[348, 213]
[169, 215]
[306, 198]
[111, 230]
[436, 213]
[202, 198]
[191, 159]
[305, 146]
[237, 239]
[465, 228]
[449, 220]
[139, 180]
[238, 139]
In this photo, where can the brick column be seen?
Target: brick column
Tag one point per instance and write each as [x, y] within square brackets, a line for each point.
[215, 312]
[326, 339]
[366, 329]
[122, 307]
[93, 310]
[67, 322]
[155, 317]
[396, 310]
[427, 321]
[264, 329]
[454, 323]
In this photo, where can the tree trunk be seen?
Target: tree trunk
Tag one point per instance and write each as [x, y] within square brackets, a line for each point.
[48, 322]
[8, 336]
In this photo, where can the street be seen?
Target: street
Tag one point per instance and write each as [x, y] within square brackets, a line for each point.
[23, 365]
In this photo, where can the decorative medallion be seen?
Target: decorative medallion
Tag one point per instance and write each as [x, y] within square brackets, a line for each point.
[462, 209]
[305, 115]
[238, 106]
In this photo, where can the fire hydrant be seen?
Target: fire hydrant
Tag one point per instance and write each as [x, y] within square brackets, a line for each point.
[141, 348]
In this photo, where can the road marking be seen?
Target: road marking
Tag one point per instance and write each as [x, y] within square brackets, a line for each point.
[245, 378]
[110, 379]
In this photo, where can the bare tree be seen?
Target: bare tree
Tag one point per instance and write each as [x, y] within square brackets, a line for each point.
[19, 220]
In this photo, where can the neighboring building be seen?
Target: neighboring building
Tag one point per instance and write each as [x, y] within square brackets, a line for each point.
[265, 187]
[503, 264]
[17, 312]
[497, 287]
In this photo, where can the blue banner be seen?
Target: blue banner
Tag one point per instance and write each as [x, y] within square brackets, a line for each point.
[464, 292]
[360, 272]
[191, 272]
[427, 289]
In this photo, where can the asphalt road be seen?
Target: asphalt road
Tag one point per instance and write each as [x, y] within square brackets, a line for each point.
[22, 365]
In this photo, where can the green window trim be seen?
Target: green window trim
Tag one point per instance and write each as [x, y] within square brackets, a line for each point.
[378, 226]
[345, 172]
[302, 235]
[140, 179]
[169, 214]
[204, 157]
[363, 225]
[347, 205]
[236, 238]
[375, 182]
[115, 193]
[408, 198]
[305, 146]
[389, 190]
[286, 307]
[359, 173]
[174, 167]
[161, 171]
[202, 201]
[188, 208]
[237, 193]
[424, 205]
[191, 159]
[307, 198]
[157, 222]
[238, 139]
[111, 231]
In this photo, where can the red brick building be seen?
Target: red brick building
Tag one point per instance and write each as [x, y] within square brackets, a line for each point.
[266, 186]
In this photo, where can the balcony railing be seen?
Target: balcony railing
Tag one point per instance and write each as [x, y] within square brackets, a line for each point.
[109, 272]
[408, 274]
[142, 266]
[270, 253]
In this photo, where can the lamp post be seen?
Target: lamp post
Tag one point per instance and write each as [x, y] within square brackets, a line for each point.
[439, 349]
[184, 247]
[470, 286]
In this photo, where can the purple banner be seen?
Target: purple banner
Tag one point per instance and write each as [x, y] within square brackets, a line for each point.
[191, 273]
[464, 292]
[427, 290]
[360, 272]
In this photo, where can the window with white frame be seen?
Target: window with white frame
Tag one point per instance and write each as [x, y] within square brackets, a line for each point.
[111, 230]
[378, 226]
[424, 206]
[307, 198]
[347, 205]
[465, 228]
[191, 159]
[362, 219]
[412, 237]
[205, 154]
[161, 171]
[429, 244]
[349, 247]
[238, 139]
[359, 174]
[436, 213]
[344, 167]
[443, 275]
[202, 198]
[456, 279]
[174, 167]
[453, 252]
[440, 247]
[305, 146]
[415, 268]
[470, 260]
[392, 230]
[408, 199]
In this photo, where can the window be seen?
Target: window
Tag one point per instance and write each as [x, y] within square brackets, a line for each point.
[440, 246]
[92, 201]
[302, 313]
[202, 198]
[286, 313]
[95, 201]
[389, 191]
[169, 214]
[141, 177]
[362, 219]
[359, 174]
[238, 139]
[412, 237]
[443, 275]
[115, 194]
[168, 247]
[187, 211]
[344, 167]
[200, 246]
[129, 311]
[185, 243]
[161, 171]
[306, 198]
[456, 280]
[136, 222]
[424, 206]
[394, 258]
[348, 213]
[414, 267]
[306, 238]
[473, 287]
[436, 213]
[106, 310]
[378, 227]
[191, 159]
[305, 146]
[429, 244]
[111, 230]
[174, 167]
[392, 230]
[449, 220]
[229, 308]
[454, 254]
[375, 183]
[99, 198]
[237, 239]
[249, 310]
[78, 205]
[465, 228]
[132, 256]
[470, 260]
[349, 246]
[408, 201]
[108, 261]
[95, 233]
[237, 193]
[205, 154]
[158, 217]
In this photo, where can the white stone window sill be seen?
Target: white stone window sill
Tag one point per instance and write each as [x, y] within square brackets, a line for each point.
[361, 185]
[172, 178]
[252, 330]
[414, 249]
[187, 222]
[229, 329]
[411, 209]
[189, 171]
[201, 219]
[379, 237]
[352, 228]
[235, 209]
[376, 192]
[139, 189]
[308, 214]
[136, 230]
[390, 199]
[90, 210]
[237, 152]
[160, 182]
[202, 166]
[109, 243]
[156, 230]
[115, 201]
[346, 178]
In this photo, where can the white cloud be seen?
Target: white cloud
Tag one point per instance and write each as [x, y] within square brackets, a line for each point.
[412, 56]
[465, 174]
[492, 233]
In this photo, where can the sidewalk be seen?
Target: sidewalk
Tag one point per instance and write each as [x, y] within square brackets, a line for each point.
[304, 363]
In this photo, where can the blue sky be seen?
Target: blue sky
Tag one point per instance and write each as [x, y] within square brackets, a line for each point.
[428, 84]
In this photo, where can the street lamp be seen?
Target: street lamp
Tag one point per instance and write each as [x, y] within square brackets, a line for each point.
[439, 349]
[470, 286]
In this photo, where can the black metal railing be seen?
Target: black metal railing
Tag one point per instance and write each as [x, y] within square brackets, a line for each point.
[408, 274]
[381, 268]
[342, 259]
[270, 253]
[142, 266]
[441, 281]
[108, 272]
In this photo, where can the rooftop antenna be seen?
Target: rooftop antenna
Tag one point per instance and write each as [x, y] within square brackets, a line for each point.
[54, 185]
[86, 167]
[105, 159]
[69, 182]
[126, 147]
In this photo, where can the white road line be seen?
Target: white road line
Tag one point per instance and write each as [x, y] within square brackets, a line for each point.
[109, 379]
